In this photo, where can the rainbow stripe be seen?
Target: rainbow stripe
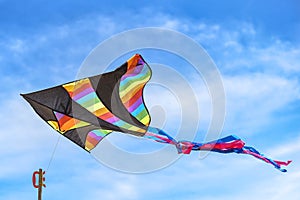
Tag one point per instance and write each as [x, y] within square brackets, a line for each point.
[94, 137]
[84, 94]
[65, 123]
[131, 88]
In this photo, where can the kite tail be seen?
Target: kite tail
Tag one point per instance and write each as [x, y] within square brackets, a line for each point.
[229, 144]
[277, 164]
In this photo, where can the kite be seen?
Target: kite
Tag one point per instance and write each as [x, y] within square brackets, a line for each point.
[87, 110]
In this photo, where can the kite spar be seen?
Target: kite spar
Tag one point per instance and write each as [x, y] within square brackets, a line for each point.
[87, 110]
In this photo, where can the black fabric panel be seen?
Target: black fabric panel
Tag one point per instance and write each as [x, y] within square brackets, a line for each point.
[74, 137]
[79, 135]
[43, 111]
[107, 88]
[57, 99]
[105, 84]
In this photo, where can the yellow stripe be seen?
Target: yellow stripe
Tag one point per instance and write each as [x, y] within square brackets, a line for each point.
[101, 111]
[55, 126]
[95, 107]
[129, 95]
[69, 87]
[134, 128]
[131, 80]
[146, 120]
[135, 84]
[80, 123]
[88, 146]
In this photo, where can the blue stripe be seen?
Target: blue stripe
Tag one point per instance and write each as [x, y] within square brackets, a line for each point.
[88, 97]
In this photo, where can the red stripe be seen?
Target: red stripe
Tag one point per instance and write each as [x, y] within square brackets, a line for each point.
[237, 144]
[106, 116]
[134, 98]
[93, 141]
[63, 120]
[257, 156]
[79, 87]
[282, 163]
[137, 95]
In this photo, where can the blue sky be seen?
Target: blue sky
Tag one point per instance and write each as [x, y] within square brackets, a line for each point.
[255, 46]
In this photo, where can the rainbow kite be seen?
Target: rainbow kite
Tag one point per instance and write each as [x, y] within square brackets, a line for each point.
[87, 110]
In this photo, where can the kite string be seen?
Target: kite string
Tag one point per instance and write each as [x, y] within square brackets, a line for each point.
[55, 147]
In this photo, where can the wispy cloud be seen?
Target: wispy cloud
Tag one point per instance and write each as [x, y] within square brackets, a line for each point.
[253, 98]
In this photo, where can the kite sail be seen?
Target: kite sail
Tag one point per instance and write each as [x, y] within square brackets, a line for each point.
[87, 110]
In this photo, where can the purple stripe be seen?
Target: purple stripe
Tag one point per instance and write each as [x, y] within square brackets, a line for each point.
[141, 62]
[83, 93]
[135, 72]
[112, 119]
[136, 104]
[58, 115]
[95, 136]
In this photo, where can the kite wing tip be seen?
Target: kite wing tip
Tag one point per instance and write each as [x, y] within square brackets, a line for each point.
[23, 95]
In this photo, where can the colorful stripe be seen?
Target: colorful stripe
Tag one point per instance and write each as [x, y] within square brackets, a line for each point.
[84, 94]
[131, 88]
[159, 136]
[94, 137]
[65, 123]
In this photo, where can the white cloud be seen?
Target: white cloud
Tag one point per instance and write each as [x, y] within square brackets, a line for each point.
[288, 148]
[279, 55]
[240, 47]
[24, 139]
[253, 98]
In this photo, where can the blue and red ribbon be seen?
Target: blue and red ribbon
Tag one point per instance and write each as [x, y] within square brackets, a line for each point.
[229, 144]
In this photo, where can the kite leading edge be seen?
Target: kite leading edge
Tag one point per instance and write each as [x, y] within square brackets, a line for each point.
[87, 110]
